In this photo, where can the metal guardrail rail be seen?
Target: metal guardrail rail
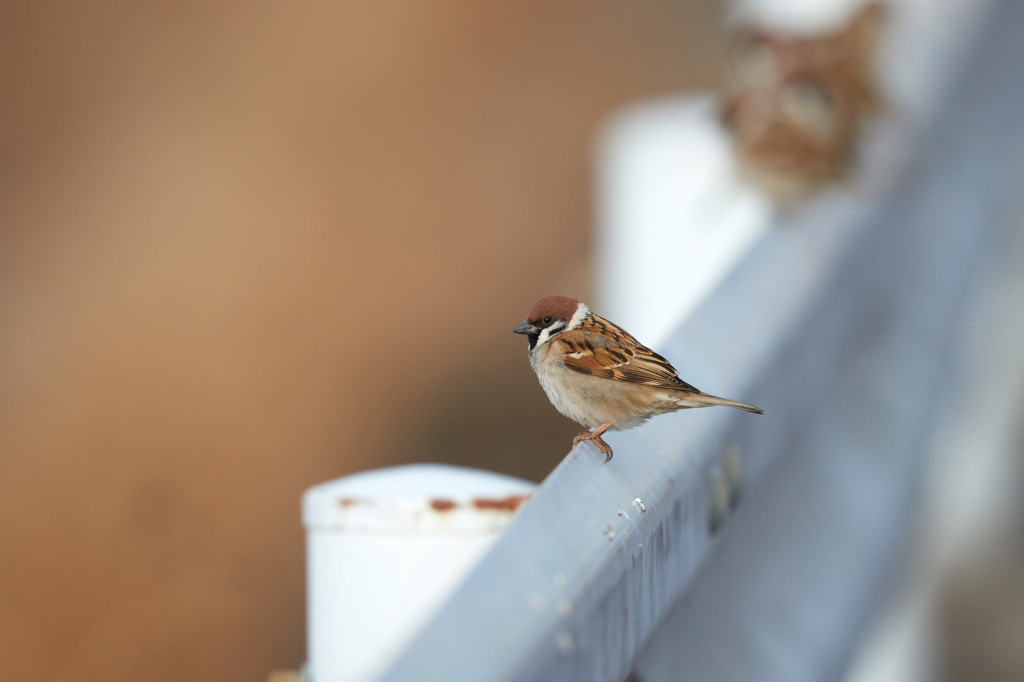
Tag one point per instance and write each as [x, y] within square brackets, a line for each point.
[743, 547]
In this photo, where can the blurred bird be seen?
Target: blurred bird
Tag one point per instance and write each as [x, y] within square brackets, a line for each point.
[795, 106]
[598, 375]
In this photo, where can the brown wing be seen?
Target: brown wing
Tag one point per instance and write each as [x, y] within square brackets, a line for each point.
[603, 350]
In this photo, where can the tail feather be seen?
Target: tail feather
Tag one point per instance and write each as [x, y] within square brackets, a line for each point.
[709, 399]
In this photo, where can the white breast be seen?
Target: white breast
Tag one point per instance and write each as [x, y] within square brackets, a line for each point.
[561, 388]
[587, 400]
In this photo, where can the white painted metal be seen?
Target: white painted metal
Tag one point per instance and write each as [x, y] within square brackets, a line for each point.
[972, 494]
[385, 548]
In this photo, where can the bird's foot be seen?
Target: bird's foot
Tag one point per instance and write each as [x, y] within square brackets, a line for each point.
[595, 438]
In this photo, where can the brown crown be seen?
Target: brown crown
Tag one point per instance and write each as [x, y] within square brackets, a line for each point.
[556, 306]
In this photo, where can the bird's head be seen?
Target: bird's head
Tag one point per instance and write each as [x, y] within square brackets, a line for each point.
[551, 316]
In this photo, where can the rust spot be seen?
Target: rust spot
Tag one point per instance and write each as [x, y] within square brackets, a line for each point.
[510, 503]
[347, 501]
[442, 505]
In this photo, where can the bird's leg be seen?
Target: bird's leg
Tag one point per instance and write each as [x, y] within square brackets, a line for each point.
[595, 438]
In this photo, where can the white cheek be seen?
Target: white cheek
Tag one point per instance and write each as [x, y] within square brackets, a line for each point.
[546, 333]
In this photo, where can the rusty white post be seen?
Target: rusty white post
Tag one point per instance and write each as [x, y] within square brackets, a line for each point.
[385, 549]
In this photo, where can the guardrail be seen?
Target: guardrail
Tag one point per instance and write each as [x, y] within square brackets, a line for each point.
[733, 547]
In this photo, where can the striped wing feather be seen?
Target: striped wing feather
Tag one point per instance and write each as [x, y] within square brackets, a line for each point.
[602, 350]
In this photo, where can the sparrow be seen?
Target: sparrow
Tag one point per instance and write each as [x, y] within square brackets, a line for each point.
[796, 105]
[595, 373]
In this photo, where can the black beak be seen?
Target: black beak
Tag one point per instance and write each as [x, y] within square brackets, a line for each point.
[525, 327]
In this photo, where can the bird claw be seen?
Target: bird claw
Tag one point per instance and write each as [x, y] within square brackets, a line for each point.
[596, 439]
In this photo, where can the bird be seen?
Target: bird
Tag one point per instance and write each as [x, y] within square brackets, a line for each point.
[595, 373]
[796, 105]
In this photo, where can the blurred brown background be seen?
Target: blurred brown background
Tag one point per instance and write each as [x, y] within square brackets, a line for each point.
[248, 247]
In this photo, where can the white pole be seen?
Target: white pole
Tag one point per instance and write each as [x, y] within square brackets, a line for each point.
[385, 548]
